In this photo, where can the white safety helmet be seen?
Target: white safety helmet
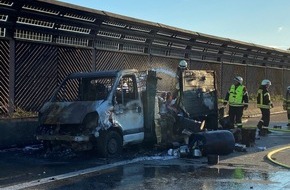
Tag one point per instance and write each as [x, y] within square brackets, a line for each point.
[239, 79]
[288, 88]
[183, 64]
[266, 82]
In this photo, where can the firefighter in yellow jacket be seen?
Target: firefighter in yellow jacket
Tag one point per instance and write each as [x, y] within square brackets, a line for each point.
[265, 104]
[238, 99]
[286, 104]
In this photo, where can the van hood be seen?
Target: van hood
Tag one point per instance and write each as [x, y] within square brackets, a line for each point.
[66, 112]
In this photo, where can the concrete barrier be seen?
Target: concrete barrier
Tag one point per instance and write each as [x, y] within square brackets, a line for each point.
[17, 132]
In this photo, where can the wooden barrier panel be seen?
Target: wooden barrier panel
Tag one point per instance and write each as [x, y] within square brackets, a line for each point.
[53, 39]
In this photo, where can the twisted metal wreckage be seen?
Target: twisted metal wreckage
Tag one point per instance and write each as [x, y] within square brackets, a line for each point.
[110, 109]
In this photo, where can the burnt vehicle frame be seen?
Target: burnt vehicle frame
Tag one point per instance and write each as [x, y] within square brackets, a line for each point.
[107, 110]
[74, 117]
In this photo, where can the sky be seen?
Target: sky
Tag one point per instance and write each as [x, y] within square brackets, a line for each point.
[262, 22]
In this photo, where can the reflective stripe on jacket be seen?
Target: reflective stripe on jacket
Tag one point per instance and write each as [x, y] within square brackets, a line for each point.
[286, 103]
[263, 98]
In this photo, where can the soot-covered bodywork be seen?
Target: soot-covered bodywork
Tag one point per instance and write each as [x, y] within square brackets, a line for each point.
[97, 109]
[200, 96]
[109, 109]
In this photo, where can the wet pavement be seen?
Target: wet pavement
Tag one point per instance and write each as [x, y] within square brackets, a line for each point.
[148, 176]
[277, 143]
[238, 170]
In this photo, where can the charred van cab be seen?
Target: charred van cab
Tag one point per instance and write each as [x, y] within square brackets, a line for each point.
[107, 110]
[102, 109]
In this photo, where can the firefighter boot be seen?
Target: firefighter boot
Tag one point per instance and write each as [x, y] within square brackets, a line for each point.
[264, 131]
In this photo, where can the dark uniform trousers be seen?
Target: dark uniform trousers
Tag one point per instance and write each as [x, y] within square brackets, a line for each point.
[235, 115]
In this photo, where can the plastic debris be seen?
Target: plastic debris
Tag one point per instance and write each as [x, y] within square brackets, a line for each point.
[240, 147]
[262, 148]
[173, 152]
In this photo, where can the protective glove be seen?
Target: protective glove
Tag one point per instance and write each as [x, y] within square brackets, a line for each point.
[272, 105]
[225, 103]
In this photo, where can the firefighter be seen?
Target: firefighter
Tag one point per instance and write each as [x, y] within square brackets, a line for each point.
[286, 104]
[182, 66]
[160, 111]
[165, 121]
[238, 99]
[265, 104]
[178, 94]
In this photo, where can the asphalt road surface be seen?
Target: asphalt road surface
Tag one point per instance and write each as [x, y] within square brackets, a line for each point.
[139, 168]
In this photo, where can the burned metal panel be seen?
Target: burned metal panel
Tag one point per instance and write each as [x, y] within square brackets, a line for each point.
[128, 106]
[79, 95]
[4, 76]
[36, 74]
[213, 66]
[194, 79]
[199, 92]
[70, 106]
[54, 113]
[149, 105]
[129, 117]
[128, 111]
[84, 93]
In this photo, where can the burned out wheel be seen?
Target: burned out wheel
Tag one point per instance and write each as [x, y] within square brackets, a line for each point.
[110, 144]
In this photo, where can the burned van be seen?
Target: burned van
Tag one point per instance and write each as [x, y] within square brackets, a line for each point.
[97, 109]
[107, 110]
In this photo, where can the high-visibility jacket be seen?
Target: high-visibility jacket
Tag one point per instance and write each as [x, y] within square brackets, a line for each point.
[286, 103]
[237, 96]
[263, 98]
